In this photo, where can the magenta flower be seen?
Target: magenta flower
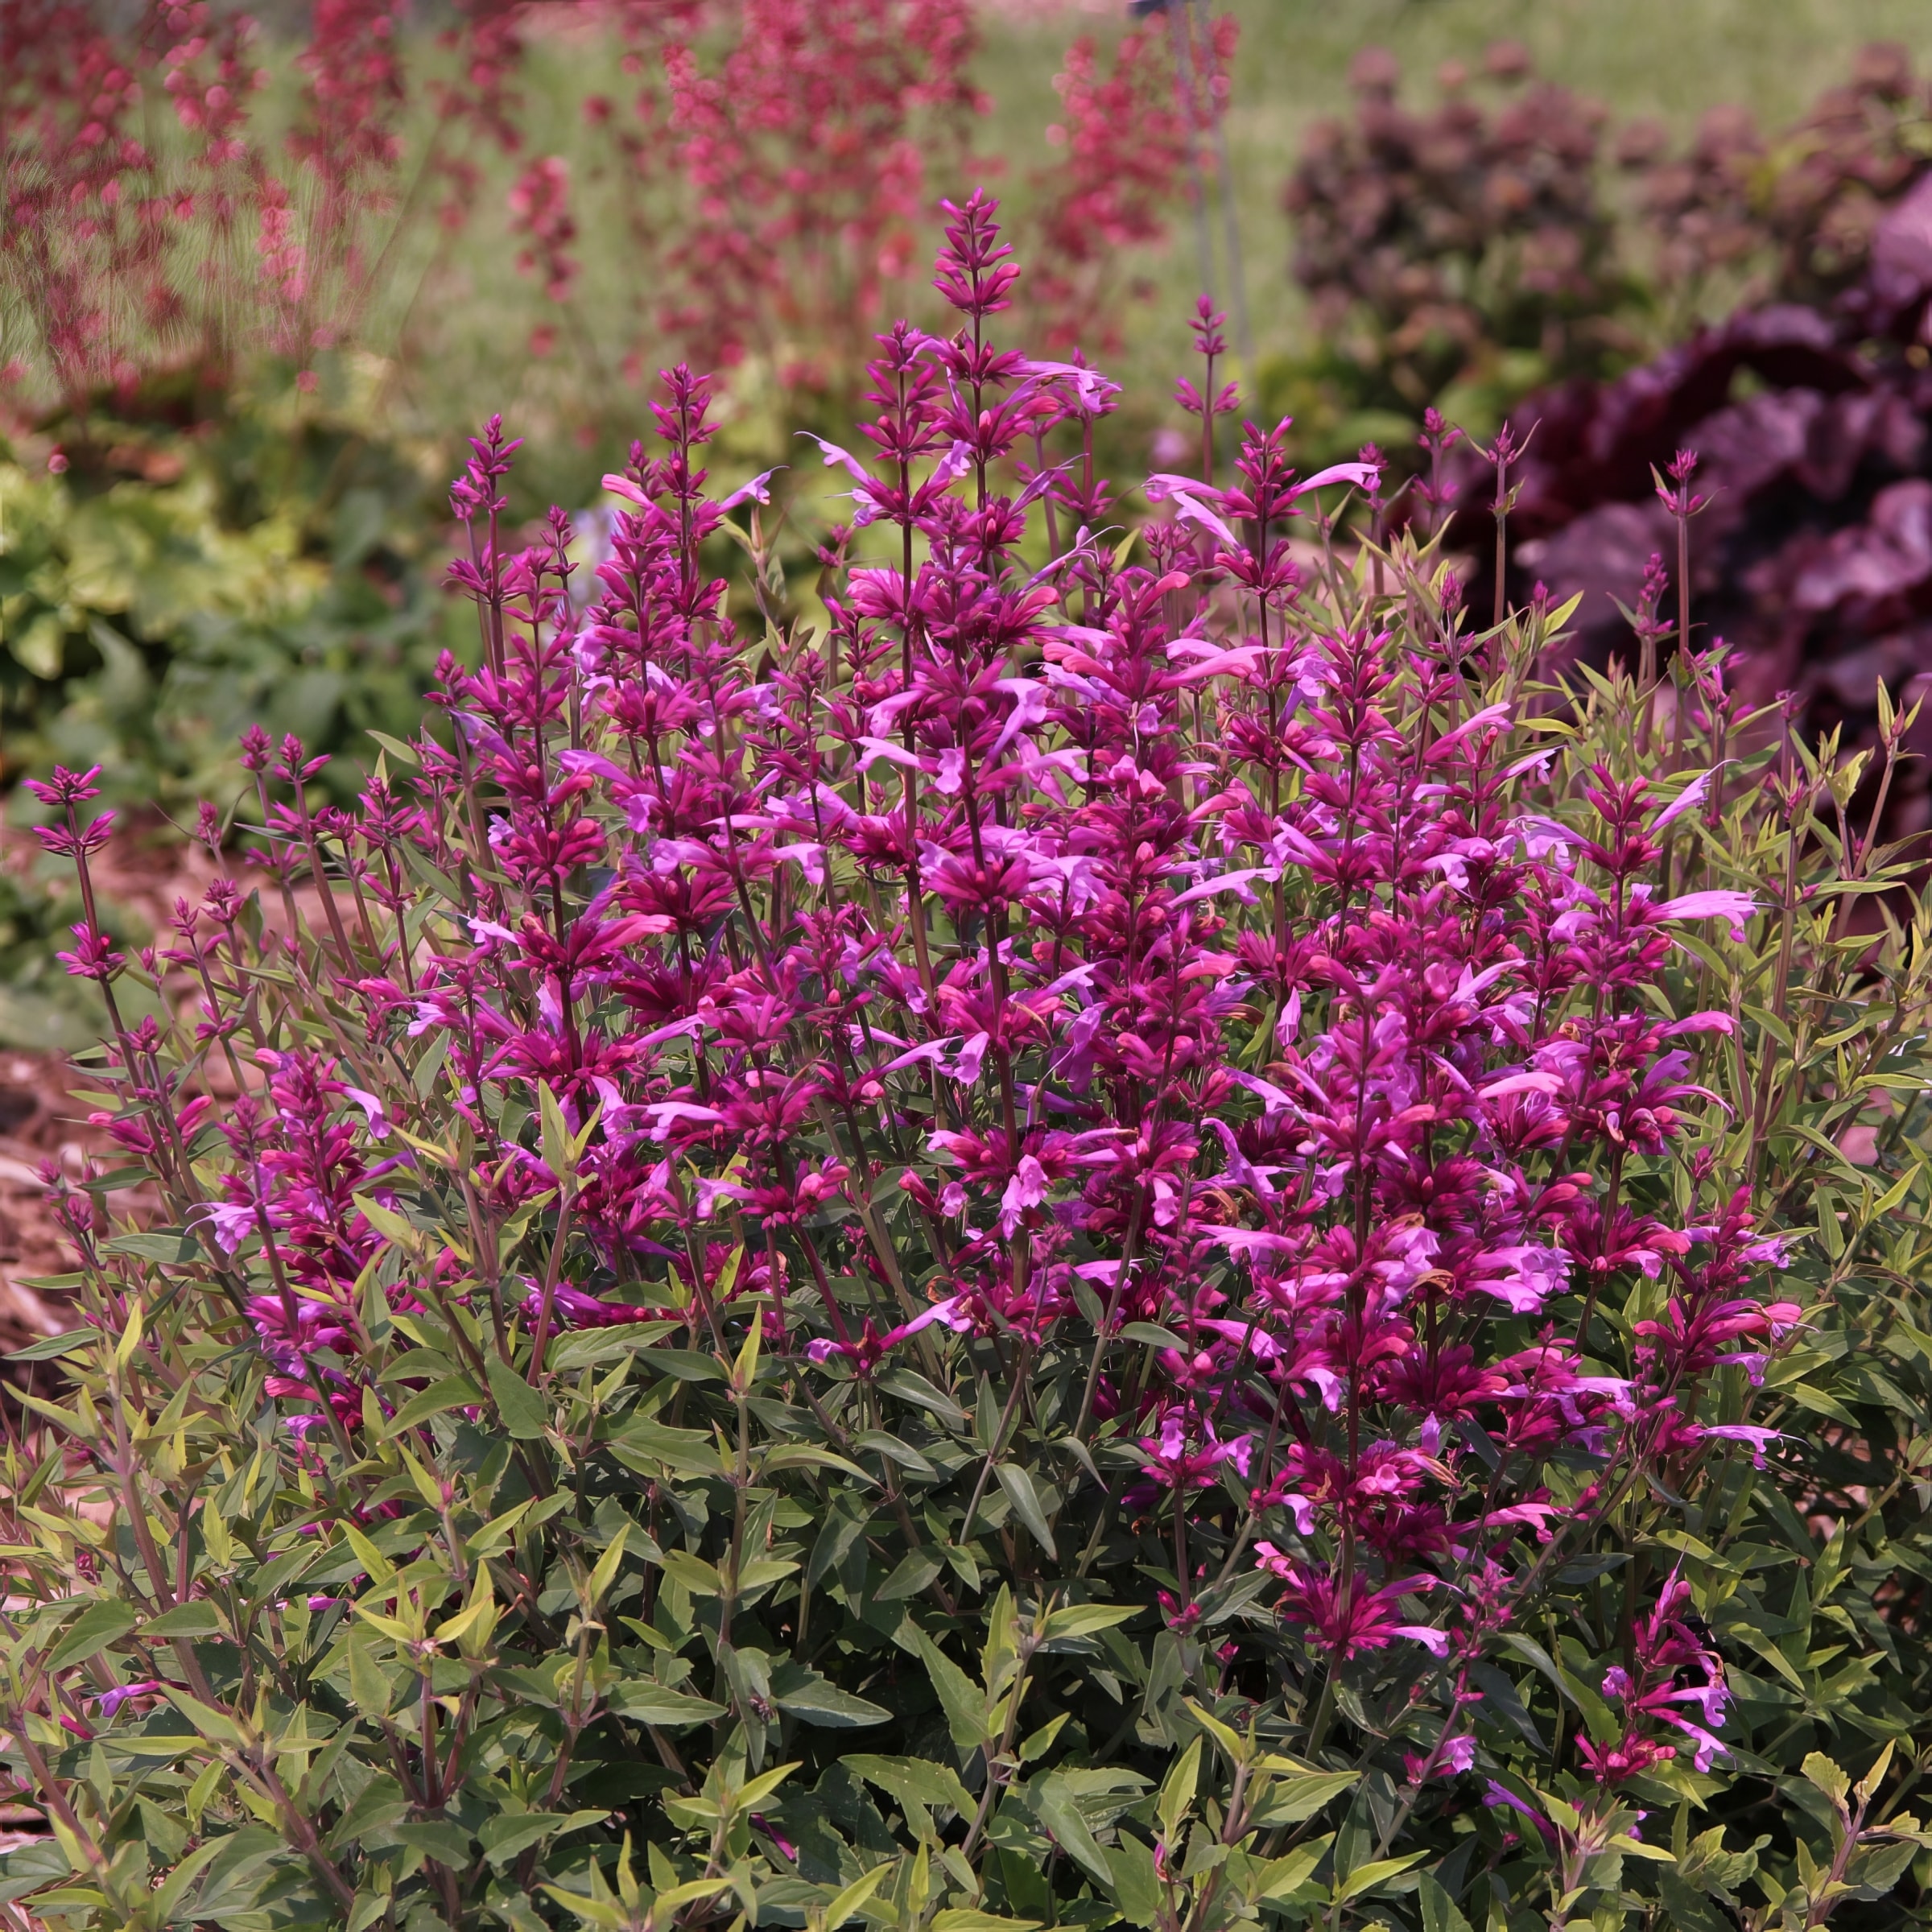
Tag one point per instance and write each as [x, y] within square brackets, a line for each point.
[108, 1703]
[1665, 1647]
[870, 1348]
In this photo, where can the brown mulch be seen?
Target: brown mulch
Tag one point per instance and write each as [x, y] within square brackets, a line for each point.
[144, 868]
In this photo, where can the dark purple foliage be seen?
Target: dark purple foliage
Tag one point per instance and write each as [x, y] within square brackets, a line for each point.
[1811, 554]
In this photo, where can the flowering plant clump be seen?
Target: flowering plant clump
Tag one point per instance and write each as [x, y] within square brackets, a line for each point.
[771, 162]
[1128, 1234]
[1129, 130]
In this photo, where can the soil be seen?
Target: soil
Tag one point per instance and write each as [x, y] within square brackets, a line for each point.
[145, 869]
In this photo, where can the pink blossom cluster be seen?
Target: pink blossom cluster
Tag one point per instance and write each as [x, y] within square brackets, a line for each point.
[777, 166]
[124, 253]
[1127, 131]
[801, 146]
[1143, 955]
[80, 222]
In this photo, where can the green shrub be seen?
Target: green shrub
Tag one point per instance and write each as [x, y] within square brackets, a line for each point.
[160, 589]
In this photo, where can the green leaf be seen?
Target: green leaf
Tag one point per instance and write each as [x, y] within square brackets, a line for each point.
[915, 1778]
[215, 1725]
[762, 1573]
[1689, 1910]
[165, 1907]
[910, 1386]
[101, 1623]
[648, 1704]
[807, 1455]
[916, 1570]
[369, 1907]
[1052, 1805]
[437, 1838]
[745, 1371]
[171, 1245]
[648, 1446]
[1280, 1878]
[960, 1919]
[1136, 1888]
[1365, 1878]
[605, 1574]
[1299, 1795]
[1598, 1719]
[1084, 1619]
[1020, 1493]
[806, 1694]
[523, 1410]
[687, 1365]
[1821, 1771]
[197, 1618]
[1439, 1912]
[588, 1348]
[403, 754]
[423, 1078]
[883, 1443]
[51, 1347]
[700, 1578]
[556, 1135]
[509, 1832]
[453, 1392]
[855, 1895]
[754, 1791]
[1177, 1791]
[369, 1685]
[963, 1701]
[40, 1862]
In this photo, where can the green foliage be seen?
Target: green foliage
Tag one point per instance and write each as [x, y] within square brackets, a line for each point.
[166, 587]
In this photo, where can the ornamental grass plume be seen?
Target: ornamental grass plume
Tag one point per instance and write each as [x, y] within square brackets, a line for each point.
[1140, 1171]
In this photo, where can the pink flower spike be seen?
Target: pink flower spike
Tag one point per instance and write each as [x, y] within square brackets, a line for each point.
[1711, 1021]
[110, 1702]
[1191, 509]
[622, 486]
[1228, 881]
[1164, 484]
[1435, 1642]
[1760, 1440]
[65, 788]
[232, 1224]
[1688, 800]
[662, 1113]
[947, 1311]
